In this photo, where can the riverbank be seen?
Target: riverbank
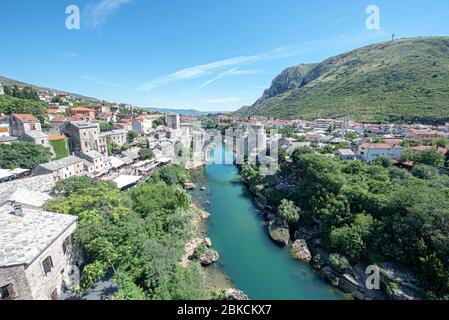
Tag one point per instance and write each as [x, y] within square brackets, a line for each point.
[248, 259]
[396, 282]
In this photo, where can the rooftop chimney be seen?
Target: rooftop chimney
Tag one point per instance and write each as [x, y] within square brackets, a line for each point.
[18, 210]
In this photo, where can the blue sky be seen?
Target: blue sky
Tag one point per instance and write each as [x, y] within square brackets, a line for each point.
[213, 55]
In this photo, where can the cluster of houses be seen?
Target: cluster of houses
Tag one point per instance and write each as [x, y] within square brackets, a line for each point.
[365, 142]
[38, 258]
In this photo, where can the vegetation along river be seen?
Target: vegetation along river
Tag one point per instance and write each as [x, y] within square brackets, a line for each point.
[238, 232]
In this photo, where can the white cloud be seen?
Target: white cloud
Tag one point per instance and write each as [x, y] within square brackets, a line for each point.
[221, 75]
[338, 22]
[100, 82]
[97, 14]
[218, 67]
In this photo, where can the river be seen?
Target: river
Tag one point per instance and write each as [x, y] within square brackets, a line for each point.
[248, 257]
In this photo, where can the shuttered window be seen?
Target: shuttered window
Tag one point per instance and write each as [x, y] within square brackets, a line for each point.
[47, 264]
[7, 292]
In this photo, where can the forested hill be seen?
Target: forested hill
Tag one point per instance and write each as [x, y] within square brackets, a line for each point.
[402, 80]
[12, 82]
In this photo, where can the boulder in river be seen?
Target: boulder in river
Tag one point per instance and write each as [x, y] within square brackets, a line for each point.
[189, 186]
[209, 257]
[205, 215]
[300, 251]
[279, 232]
[234, 294]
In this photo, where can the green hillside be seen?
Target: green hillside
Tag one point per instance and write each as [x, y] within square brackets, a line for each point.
[403, 80]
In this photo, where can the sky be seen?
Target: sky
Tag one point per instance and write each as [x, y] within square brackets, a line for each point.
[210, 55]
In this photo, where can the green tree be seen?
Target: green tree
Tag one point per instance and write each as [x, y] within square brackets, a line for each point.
[289, 211]
[106, 126]
[23, 155]
[385, 162]
[131, 136]
[146, 154]
[440, 142]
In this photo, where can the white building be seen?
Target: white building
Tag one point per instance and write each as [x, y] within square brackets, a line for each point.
[95, 162]
[62, 169]
[2, 91]
[143, 125]
[369, 152]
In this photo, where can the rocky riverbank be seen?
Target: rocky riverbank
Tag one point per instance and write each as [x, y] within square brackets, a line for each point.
[396, 282]
[200, 248]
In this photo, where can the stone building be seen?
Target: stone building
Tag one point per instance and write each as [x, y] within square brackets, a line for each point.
[83, 136]
[22, 124]
[61, 169]
[173, 121]
[37, 254]
[118, 137]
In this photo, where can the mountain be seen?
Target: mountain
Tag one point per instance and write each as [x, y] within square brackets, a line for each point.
[187, 112]
[11, 82]
[403, 80]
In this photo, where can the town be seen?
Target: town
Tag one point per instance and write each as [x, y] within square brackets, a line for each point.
[126, 145]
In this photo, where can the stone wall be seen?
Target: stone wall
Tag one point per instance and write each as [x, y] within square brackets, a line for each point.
[31, 282]
[16, 276]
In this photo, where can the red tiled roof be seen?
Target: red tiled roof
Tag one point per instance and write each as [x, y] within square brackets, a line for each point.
[59, 119]
[53, 137]
[379, 146]
[81, 109]
[26, 117]
[53, 111]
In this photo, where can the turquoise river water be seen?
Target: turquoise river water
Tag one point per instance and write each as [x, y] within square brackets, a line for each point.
[248, 257]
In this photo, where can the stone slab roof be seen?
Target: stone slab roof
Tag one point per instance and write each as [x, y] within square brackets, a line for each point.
[24, 196]
[24, 238]
[43, 183]
[61, 163]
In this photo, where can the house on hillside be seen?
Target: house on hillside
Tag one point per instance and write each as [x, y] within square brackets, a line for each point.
[95, 162]
[21, 124]
[143, 124]
[83, 136]
[369, 152]
[61, 169]
[84, 113]
[422, 135]
[37, 253]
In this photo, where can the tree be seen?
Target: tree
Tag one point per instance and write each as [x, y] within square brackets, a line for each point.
[339, 263]
[172, 175]
[431, 158]
[440, 142]
[288, 211]
[112, 147]
[434, 273]
[131, 136]
[106, 126]
[159, 122]
[424, 171]
[385, 162]
[23, 155]
[146, 154]
[347, 241]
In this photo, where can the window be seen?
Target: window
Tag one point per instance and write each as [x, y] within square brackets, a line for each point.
[67, 244]
[54, 295]
[47, 264]
[7, 292]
